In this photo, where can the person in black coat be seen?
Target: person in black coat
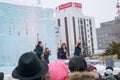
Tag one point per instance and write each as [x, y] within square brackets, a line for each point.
[63, 51]
[58, 53]
[39, 49]
[46, 54]
[77, 51]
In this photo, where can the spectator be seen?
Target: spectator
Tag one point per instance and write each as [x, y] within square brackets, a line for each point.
[1, 75]
[109, 73]
[39, 49]
[30, 68]
[77, 50]
[77, 63]
[58, 70]
[94, 69]
[83, 76]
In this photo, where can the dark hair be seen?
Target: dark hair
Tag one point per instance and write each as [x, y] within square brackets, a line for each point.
[46, 50]
[78, 44]
[109, 67]
[39, 42]
[63, 44]
[77, 63]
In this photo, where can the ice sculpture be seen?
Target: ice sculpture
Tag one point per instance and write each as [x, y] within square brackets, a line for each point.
[19, 26]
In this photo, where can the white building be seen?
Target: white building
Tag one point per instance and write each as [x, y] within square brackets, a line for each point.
[73, 27]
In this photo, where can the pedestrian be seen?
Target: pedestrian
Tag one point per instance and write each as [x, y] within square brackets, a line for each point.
[30, 67]
[46, 54]
[77, 51]
[39, 49]
[63, 51]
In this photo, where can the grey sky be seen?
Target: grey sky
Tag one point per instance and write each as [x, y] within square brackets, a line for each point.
[101, 10]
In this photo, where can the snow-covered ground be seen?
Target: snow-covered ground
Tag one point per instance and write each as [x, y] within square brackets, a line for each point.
[7, 69]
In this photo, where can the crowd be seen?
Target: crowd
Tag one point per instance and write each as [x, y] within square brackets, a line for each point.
[36, 66]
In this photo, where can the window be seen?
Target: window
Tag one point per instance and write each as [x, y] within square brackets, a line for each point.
[66, 32]
[90, 22]
[88, 41]
[88, 36]
[88, 30]
[74, 30]
[81, 22]
[58, 22]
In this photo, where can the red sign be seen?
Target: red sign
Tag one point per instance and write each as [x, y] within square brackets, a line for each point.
[70, 4]
[63, 6]
[78, 5]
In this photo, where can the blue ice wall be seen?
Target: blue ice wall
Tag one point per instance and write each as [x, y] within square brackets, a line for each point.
[19, 26]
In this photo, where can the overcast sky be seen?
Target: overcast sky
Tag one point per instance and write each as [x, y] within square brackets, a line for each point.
[101, 10]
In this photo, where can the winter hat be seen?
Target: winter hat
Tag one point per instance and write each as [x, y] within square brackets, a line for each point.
[109, 67]
[108, 71]
[92, 68]
[29, 67]
[58, 70]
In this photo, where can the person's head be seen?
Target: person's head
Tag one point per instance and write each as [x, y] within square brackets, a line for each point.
[30, 67]
[92, 68]
[109, 67]
[58, 70]
[46, 50]
[39, 43]
[58, 49]
[108, 71]
[83, 76]
[63, 45]
[77, 63]
[78, 45]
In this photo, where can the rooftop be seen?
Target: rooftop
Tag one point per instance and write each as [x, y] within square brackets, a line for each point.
[68, 5]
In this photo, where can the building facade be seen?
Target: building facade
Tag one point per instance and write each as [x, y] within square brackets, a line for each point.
[108, 32]
[73, 27]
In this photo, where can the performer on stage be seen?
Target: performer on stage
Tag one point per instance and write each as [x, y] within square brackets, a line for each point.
[63, 51]
[39, 49]
[77, 51]
[47, 53]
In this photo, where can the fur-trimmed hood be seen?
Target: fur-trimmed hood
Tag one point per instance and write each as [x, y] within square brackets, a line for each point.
[83, 76]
